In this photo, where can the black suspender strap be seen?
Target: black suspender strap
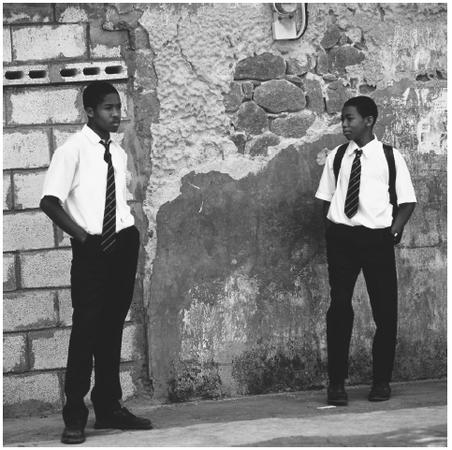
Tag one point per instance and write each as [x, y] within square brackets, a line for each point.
[389, 153]
[338, 160]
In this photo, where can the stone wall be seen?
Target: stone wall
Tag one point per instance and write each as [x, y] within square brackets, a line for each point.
[227, 131]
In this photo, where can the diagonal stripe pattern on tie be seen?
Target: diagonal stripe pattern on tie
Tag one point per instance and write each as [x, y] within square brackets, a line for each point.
[352, 199]
[108, 239]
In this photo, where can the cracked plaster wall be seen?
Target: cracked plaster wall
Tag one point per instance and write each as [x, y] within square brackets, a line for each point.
[235, 278]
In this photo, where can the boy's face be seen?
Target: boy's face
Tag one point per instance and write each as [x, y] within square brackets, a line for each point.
[106, 116]
[355, 126]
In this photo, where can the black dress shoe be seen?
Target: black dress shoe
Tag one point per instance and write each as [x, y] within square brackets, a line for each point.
[380, 392]
[122, 419]
[337, 395]
[73, 434]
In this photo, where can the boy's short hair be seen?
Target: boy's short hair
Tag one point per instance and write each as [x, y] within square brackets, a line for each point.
[365, 106]
[95, 93]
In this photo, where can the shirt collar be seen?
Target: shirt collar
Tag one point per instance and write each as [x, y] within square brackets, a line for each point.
[352, 146]
[92, 136]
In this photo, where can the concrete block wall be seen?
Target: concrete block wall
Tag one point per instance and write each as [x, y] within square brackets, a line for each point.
[41, 109]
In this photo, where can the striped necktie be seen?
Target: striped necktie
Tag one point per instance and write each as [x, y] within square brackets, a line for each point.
[352, 199]
[109, 224]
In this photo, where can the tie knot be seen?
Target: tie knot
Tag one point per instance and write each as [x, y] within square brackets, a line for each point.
[358, 152]
[107, 155]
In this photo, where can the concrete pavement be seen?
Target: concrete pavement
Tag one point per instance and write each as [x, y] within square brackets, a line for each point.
[414, 417]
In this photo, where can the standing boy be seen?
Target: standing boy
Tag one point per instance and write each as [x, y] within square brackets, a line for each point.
[85, 195]
[360, 234]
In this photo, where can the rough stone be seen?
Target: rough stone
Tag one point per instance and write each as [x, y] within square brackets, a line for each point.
[354, 34]
[295, 79]
[233, 99]
[247, 89]
[7, 55]
[239, 140]
[295, 67]
[29, 310]
[251, 118]
[341, 57]
[259, 145]
[14, 353]
[46, 268]
[331, 37]
[279, 95]
[293, 126]
[366, 89]
[59, 105]
[322, 66]
[27, 230]
[9, 272]
[39, 391]
[337, 94]
[314, 95]
[28, 189]
[48, 349]
[15, 13]
[7, 192]
[262, 67]
[25, 149]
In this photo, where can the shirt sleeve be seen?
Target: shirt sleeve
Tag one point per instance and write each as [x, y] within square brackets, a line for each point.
[327, 185]
[60, 174]
[404, 186]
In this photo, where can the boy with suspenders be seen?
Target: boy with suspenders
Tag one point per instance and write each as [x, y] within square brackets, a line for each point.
[368, 198]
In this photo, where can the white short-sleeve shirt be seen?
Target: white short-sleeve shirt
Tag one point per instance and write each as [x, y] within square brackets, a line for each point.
[375, 209]
[77, 175]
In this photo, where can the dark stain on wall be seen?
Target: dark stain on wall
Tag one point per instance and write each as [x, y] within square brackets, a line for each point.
[268, 223]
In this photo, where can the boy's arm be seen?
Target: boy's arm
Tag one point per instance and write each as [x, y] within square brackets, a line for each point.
[403, 214]
[326, 207]
[52, 207]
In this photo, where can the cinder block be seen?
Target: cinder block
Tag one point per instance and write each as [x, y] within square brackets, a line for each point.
[27, 310]
[42, 387]
[46, 269]
[105, 51]
[6, 45]
[49, 41]
[49, 349]
[26, 75]
[61, 135]
[9, 272]
[7, 192]
[129, 350]
[28, 189]
[65, 307]
[57, 105]
[31, 13]
[70, 13]
[106, 44]
[25, 149]
[26, 231]
[88, 71]
[127, 385]
[14, 353]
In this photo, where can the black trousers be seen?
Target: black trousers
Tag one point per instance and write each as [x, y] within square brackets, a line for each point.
[350, 249]
[101, 289]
